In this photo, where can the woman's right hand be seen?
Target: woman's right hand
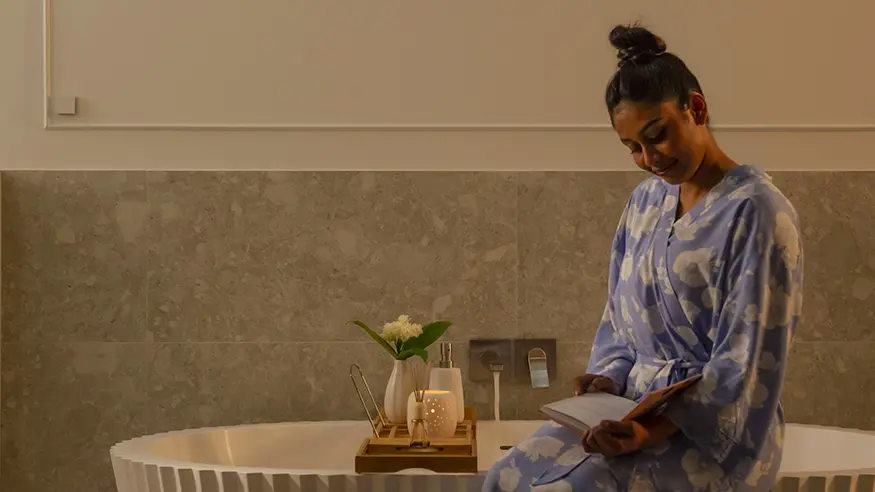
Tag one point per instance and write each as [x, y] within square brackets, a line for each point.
[594, 383]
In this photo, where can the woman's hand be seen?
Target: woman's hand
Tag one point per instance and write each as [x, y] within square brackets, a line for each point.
[612, 438]
[594, 383]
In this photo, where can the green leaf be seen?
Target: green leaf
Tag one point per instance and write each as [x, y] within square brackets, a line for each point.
[377, 338]
[408, 353]
[430, 334]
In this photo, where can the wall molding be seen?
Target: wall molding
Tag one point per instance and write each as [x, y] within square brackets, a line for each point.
[578, 127]
[49, 122]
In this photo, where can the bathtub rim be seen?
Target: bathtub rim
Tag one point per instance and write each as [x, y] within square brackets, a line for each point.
[133, 450]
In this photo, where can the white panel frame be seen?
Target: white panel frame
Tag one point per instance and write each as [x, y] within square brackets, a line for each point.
[50, 124]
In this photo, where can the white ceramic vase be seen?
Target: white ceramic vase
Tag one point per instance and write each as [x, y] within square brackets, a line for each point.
[398, 389]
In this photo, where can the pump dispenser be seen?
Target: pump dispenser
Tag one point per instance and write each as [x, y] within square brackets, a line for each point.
[447, 377]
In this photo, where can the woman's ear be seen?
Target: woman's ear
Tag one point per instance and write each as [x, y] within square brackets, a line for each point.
[699, 108]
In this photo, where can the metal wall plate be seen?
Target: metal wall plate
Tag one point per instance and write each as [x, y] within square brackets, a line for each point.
[521, 349]
[478, 370]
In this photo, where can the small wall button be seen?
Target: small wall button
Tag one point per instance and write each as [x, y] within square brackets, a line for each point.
[65, 105]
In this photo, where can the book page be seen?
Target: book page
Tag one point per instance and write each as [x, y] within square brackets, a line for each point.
[588, 410]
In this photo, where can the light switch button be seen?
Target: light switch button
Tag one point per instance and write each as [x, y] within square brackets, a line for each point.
[64, 105]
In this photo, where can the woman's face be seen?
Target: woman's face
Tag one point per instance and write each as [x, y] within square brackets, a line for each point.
[665, 139]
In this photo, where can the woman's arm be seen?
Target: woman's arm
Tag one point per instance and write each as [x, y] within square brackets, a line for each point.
[735, 401]
[659, 428]
[612, 438]
[611, 354]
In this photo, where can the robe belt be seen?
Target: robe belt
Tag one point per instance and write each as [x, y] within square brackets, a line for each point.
[668, 365]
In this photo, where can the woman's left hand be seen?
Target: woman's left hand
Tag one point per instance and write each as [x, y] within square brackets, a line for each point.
[612, 438]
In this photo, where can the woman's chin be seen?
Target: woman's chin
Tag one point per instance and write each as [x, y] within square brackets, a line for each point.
[676, 175]
[672, 179]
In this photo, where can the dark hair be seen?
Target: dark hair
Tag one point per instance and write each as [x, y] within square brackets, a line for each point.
[646, 72]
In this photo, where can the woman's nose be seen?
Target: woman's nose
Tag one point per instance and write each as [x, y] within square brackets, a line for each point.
[649, 158]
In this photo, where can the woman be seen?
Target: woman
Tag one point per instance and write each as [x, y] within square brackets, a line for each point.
[705, 278]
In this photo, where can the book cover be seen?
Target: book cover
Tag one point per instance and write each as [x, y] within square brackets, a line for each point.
[586, 411]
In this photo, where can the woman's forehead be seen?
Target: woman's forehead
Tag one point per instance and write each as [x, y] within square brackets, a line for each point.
[632, 118]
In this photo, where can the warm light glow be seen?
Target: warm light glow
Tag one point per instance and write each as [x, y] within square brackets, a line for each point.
[440, 410]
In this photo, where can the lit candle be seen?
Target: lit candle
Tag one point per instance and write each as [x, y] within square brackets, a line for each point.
[440, 413]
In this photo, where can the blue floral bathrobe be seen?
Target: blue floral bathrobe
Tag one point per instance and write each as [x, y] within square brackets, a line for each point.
[718, 293]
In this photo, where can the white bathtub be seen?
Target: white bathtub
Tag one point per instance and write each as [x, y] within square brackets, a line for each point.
[282, 458]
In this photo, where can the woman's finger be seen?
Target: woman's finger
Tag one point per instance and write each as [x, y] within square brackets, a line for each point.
[602, 384]
[583, 442]
[608, 445]
[624, 429]
[589, 443]
[582, 383]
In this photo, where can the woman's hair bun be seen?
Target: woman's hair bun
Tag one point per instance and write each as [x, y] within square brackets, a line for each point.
[635, 44]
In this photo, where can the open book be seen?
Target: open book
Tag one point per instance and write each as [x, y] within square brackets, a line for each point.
[588, 410]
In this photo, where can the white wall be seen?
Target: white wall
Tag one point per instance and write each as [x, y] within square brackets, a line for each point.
[777, 75]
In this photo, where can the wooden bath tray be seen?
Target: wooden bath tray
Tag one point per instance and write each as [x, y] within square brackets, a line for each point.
[391, 453]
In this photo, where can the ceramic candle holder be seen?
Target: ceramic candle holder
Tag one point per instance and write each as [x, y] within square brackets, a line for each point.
[440, 413]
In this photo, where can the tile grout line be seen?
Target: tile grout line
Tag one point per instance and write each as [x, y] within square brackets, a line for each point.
[518, 271]
[148, 259]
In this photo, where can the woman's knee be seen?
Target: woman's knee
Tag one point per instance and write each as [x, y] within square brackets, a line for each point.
[504, 476]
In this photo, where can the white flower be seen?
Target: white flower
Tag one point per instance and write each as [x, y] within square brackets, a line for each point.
[645, 267]
[694, 267]
[542, 446]
[787, 238]
[669, 204]
[768, 362]
[560, 486]
[509, 478]
[573, 456]
[760, 396]
[700, 471]
[740, 348]
[688, 335]
[624, 309]
[686, 231]
[626, 268]
[401, 329]
[643, 223]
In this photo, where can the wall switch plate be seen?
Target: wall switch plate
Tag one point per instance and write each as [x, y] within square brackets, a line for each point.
[479, 353]
[65, 105]
[521, 350]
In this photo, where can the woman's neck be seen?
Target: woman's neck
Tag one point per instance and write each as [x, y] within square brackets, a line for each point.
[711, 171]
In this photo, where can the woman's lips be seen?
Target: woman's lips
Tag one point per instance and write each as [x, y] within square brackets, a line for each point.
[663, 171]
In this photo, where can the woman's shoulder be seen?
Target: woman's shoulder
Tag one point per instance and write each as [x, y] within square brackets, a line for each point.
[651, 190]
[765, 213]
[758, 197]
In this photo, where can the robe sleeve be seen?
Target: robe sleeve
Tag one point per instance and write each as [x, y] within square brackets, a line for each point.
[735, 403]
[611, 355]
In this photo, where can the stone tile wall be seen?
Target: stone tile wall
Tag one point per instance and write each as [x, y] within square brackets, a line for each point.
[140, 302]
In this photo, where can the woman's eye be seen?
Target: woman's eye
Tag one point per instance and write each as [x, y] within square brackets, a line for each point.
[659, 137]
